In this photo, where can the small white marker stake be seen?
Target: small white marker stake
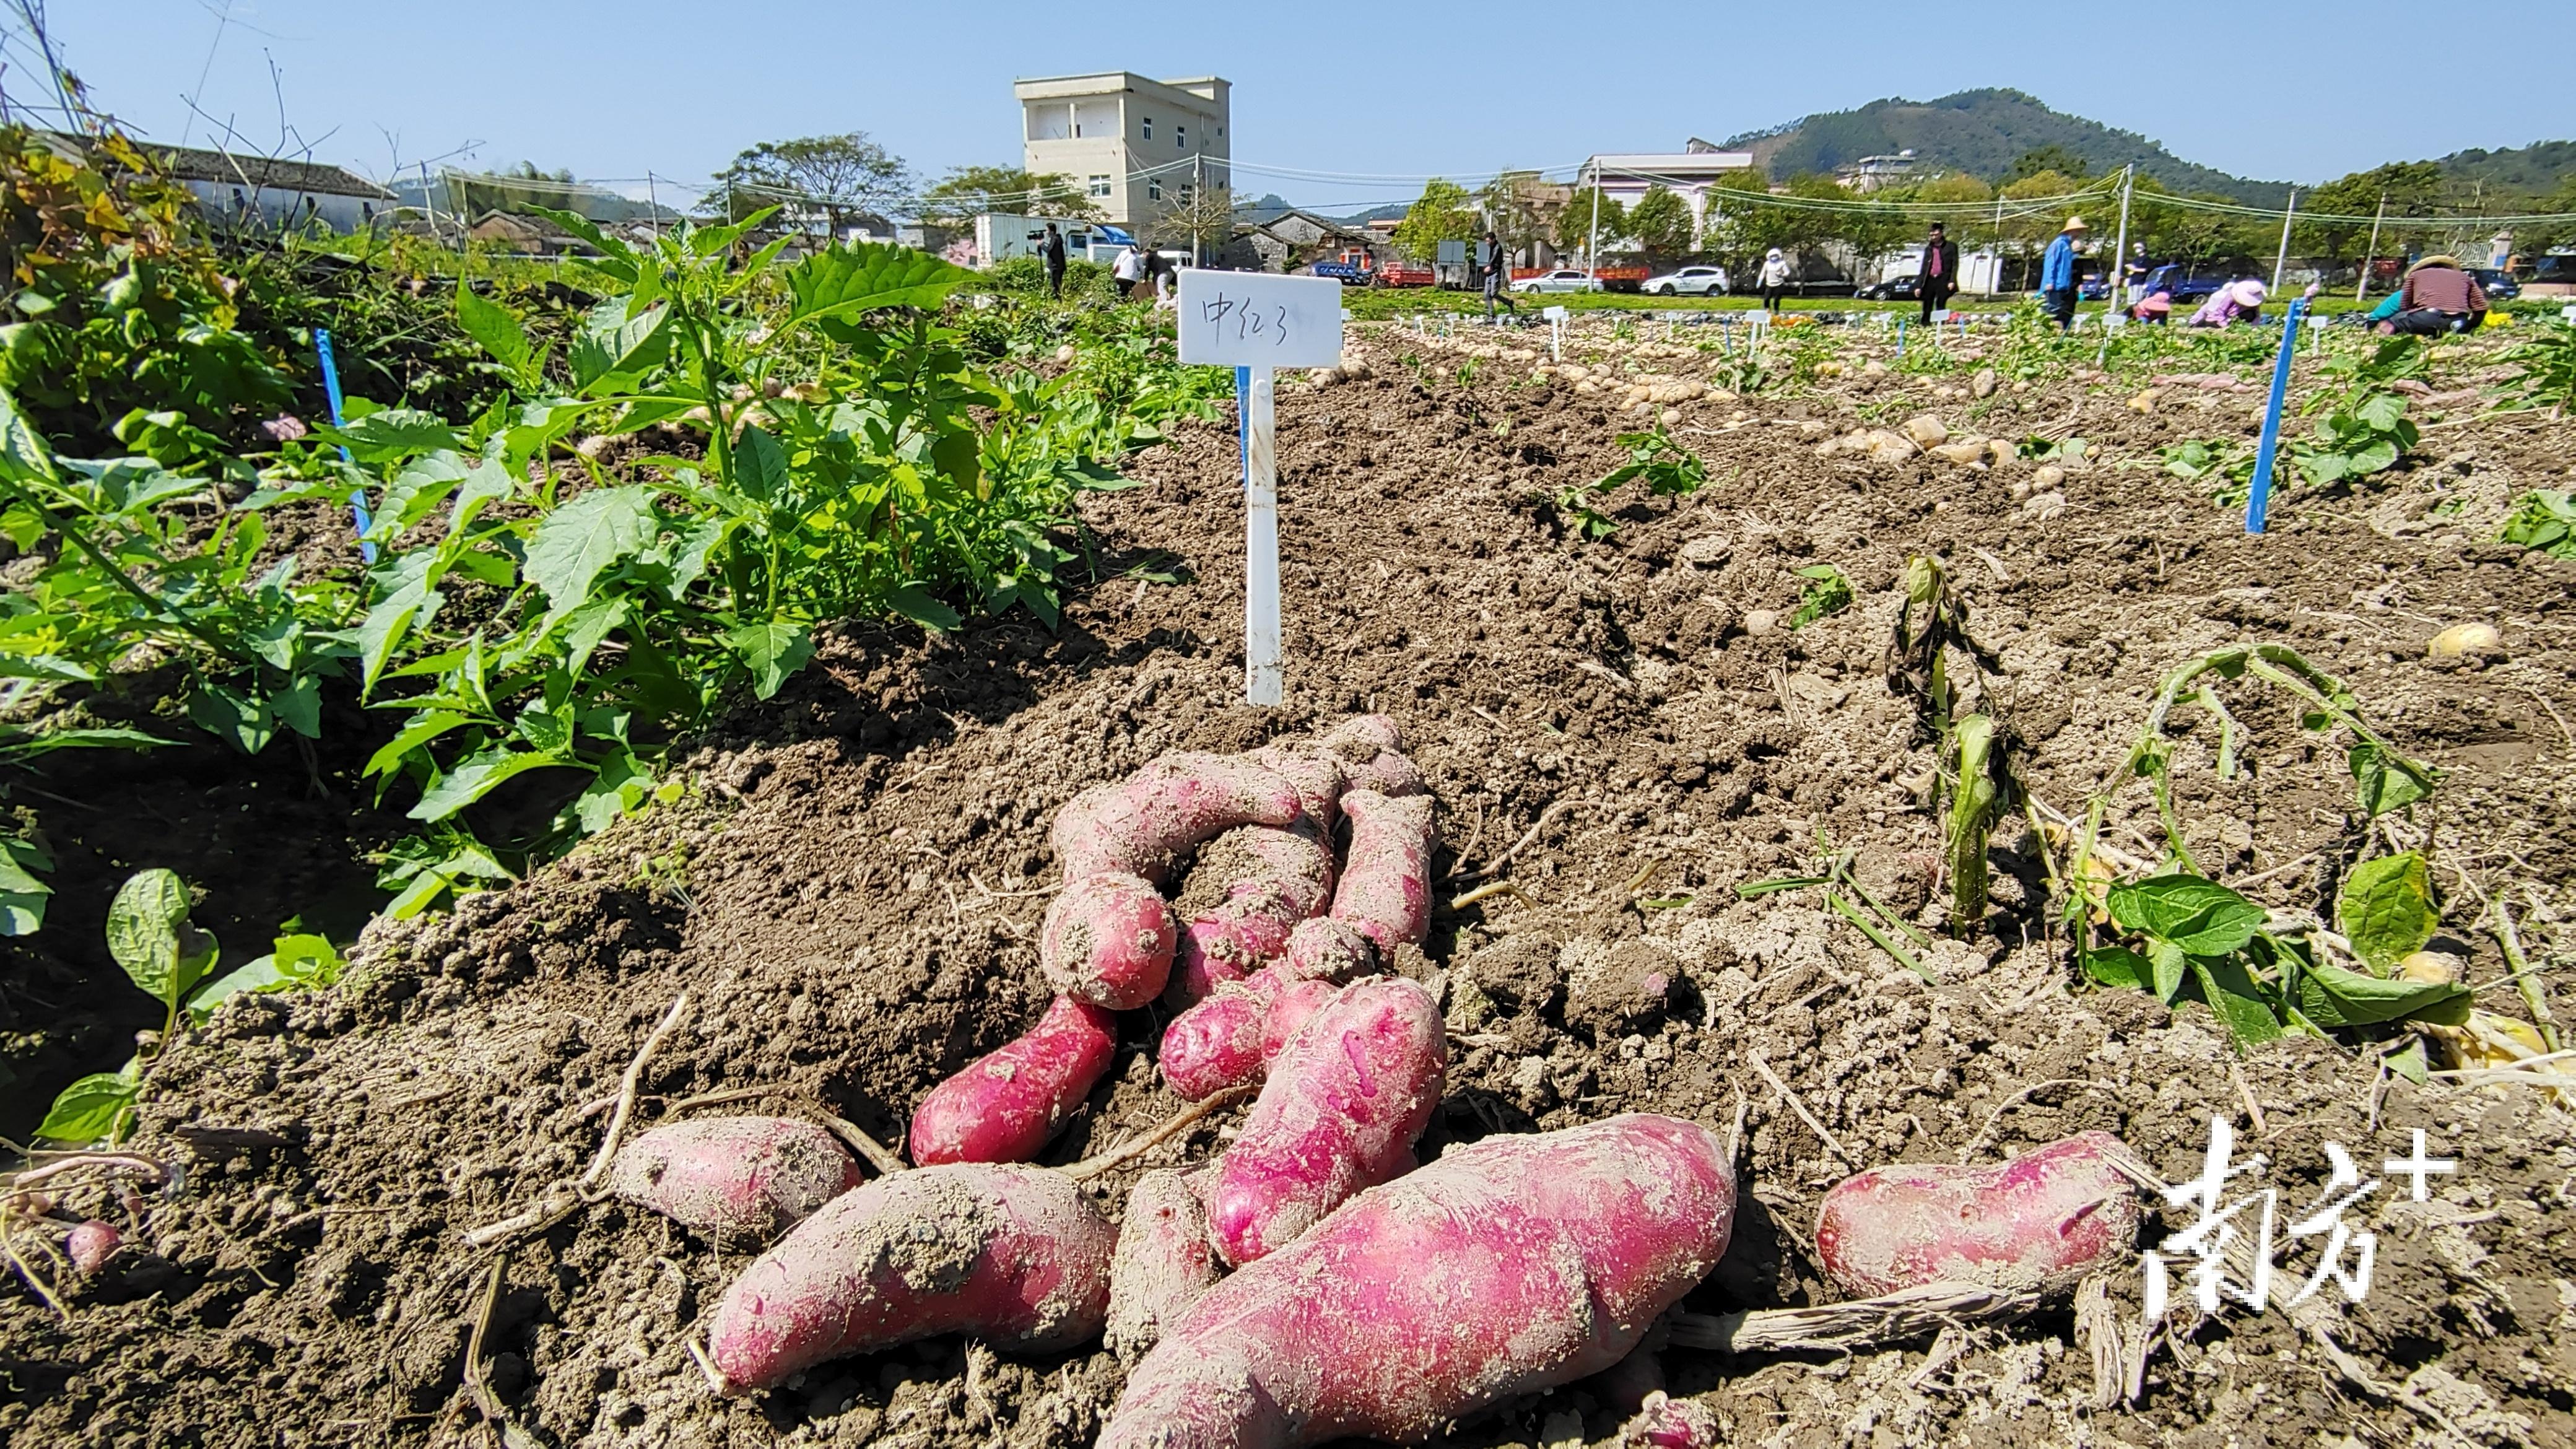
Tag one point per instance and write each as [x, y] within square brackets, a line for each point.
[1257, 323]
[1262, 683]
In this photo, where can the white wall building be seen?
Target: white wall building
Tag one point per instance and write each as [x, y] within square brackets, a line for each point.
[1135, 146]
[1625, 176]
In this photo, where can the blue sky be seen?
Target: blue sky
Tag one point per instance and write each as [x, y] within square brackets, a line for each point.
[676, 88]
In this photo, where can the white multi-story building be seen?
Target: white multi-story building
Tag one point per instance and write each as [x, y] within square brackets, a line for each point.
[1626, 176]
[1137, 147]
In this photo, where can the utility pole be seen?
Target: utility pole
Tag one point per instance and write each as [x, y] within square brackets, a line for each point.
[653, 201]
[1995, 273]
[2360, 288]
[2115, 276]
[1198, 204]
[428, 201]
[1592, 244]
[2282, 261]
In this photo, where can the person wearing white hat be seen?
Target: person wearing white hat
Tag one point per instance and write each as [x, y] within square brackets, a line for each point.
[1774, 279]
[2057, 274]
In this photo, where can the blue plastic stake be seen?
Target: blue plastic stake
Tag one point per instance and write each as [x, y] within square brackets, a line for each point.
[1900, 337]
[331, 389]
[2260, 501]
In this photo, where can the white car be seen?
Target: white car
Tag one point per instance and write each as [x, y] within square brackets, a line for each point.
[1688, 282]
[1563, 279]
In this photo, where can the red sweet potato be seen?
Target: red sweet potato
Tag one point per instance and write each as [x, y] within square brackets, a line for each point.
[1286, 877]
[1507, 1267]
[2042, 1220]
[734, 1178]
[1017, 1256]
[1108, 940]
[1163, 1262]
[92, 1245]
[1141, 825]
[1345, 1099]
[1004, 1106]
[1385, 888]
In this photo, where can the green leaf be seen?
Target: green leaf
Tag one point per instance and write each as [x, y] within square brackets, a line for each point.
[22, 895]
[382, 631]
[546, 733]
[419, 732]
[2383, 786]
[2167, 966]
[585, 536]
[414, 492]
[843, 281]
[617, 347]
[144, 926]
[2119, 966]
[772, 651]
[2386, 909]
[476, 776]
[2232, 993]
[259, 974]
[2408, 1062]
[24, 457]
[299, 706]
[2333, 996]
[496, 329]
[486, 483]
[90, 1107]
[300, 960]
[922, 607]
[2202, 917]
[392, 433]
[2381, 411]
[232, 716]
[759, 465]
[1749, 889]
[620, 787]
[586, 628]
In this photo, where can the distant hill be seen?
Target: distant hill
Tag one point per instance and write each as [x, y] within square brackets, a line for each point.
[2533, 170]
[1981, 132]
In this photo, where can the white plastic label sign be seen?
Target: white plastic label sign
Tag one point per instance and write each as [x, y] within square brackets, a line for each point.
[1554, 314]
[1254, 319]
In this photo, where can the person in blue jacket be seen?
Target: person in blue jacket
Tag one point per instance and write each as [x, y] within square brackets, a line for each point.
[2057, 274]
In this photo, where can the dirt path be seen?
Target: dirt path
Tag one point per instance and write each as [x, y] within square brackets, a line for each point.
[852, 903]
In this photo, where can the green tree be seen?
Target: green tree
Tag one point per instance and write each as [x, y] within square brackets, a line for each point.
[1202, 220]
[1442, 213]
[2412, 188]
[531, 171]
[831, 179]
[1660, 224]
[1574, 225]
[1955, 186]
[1512, 208]
[970, 191]
[2042, 159]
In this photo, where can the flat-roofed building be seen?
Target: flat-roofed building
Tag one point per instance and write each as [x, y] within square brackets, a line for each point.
[1136, 147]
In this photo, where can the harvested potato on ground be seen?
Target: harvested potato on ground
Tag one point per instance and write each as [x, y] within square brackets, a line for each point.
[1108, 940]
[1163, 1262]
[1277, 878]
[1017, 1256]
[1346, 1097]
[1006, 1105]
[734, 1178]
[1141, 825]
[2043, 1220]
[1385, 888]
[1507, 1267]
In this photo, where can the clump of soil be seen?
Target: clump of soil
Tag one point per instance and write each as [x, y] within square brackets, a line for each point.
[851, 901]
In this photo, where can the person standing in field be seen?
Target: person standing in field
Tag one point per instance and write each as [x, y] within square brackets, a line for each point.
[2057, 274]
[1939, 278]
[1051, 251]
[1498, 273]
[2133, 275]
[1127, 271]
[1773, 280]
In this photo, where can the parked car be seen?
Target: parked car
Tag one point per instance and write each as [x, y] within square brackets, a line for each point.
[2190, 284]
[1689, 282]
[2498, 285]
[1894, 289]
[1563, 279]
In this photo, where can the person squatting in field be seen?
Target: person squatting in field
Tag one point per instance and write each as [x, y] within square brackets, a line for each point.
[2238, 301]
[2437, 297]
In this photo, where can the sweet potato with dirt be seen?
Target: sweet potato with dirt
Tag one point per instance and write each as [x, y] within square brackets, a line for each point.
[734, 1179]
[1163, 1262]
[1508, 1267]
[1005, 1105]
[2043, 1220]
[1016, 1256]
[1108, 940]
[1229, 1039]
[1274, 879]
[1141, 825]
[1346, 1097]
[1385, 888]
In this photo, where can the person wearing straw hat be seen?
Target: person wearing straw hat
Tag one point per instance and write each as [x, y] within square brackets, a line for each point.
[2057, 274]
[2436, 298]
[2238, 301]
